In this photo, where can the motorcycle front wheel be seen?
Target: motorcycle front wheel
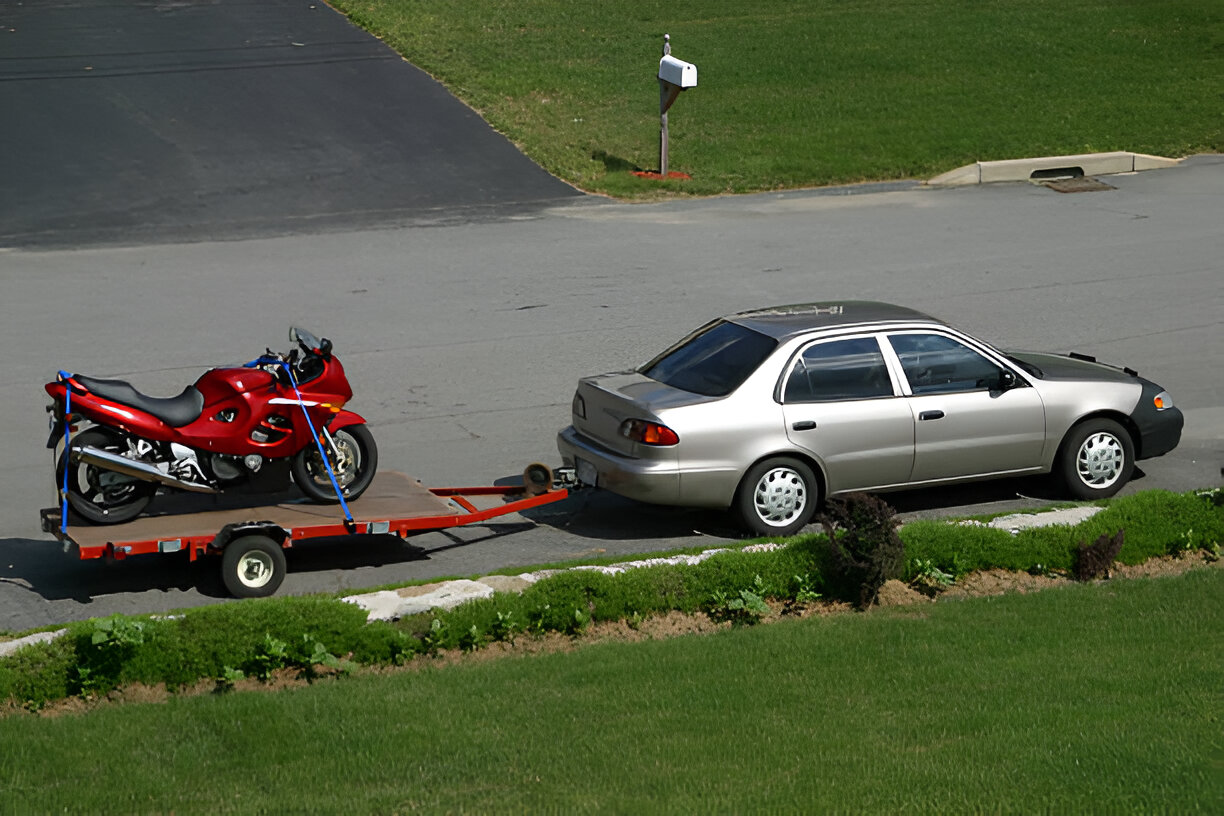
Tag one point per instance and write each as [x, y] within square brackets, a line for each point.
[97, 495]
[354, 468]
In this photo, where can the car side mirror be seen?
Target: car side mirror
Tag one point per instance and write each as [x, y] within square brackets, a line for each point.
[1007, 379]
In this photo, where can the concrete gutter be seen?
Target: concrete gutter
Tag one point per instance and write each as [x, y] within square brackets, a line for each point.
[1084, 164]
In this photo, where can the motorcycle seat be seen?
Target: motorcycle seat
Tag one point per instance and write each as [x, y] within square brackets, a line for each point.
[174, 411]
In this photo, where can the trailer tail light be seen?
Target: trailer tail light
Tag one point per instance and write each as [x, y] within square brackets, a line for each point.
[648, 433]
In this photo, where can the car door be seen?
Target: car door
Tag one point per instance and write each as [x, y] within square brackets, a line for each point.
[966, 421]
[841, 404]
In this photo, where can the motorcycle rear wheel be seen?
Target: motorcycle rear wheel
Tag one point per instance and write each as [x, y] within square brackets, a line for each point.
[354, 470]
[101, 496]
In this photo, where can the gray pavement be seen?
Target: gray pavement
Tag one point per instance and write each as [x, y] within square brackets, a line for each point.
[151, 122]
[464, 343]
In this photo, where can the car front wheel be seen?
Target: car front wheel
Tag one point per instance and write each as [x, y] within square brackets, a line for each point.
[1097, 459]
[777, 497]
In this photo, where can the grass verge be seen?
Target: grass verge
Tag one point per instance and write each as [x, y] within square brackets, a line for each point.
[311, 635]
[799, 95]
[1089, 698]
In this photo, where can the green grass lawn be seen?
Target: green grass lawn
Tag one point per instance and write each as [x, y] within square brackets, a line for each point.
[806, 94]
[1090, 698]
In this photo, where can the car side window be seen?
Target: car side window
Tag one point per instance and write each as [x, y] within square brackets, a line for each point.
[839, 370]
[935, 364]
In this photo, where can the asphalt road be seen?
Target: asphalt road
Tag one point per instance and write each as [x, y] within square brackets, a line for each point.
[171, 121]
[464, 341]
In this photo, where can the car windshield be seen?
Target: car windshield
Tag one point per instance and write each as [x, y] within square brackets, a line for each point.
[713, 361]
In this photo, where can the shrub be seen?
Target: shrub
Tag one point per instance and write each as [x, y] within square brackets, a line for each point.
[1093, 560]
[38, 673]
[863, 540]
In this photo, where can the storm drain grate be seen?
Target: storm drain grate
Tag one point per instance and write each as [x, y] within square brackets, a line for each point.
[1068, 180]
[1082, 184]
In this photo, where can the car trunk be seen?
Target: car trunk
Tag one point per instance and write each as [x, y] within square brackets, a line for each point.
[603, 403]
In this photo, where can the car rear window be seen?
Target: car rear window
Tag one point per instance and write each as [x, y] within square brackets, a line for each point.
[713, 361]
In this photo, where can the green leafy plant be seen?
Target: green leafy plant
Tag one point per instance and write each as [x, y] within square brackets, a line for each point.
[229, 677]
[117, 632]
[927, 574]
[504, 626]
[538, 619]
[802, 595]
[577, 622]
[744, 609]
[271, 655]
[103, 650]
[471, 639]
[435, 638]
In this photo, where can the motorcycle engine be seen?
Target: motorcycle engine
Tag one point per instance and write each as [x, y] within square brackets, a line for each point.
[226, 468]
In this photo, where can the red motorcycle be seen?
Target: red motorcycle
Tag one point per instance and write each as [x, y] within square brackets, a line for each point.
[247, 427]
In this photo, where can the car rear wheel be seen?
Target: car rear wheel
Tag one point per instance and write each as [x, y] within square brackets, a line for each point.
[1097, 459]
[777, 497]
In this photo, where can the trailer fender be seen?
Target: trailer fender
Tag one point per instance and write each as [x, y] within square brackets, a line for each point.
[230, 532]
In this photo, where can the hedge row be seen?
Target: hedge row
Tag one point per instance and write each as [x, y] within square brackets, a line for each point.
[254, 637]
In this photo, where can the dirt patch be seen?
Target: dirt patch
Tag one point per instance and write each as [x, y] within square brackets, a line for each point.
[999, 582]
[896, 593]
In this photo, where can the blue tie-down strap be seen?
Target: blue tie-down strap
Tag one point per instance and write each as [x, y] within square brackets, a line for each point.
[64, 375]
[348, 517]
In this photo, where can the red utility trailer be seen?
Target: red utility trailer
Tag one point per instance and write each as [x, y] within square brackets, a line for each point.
[251, 540]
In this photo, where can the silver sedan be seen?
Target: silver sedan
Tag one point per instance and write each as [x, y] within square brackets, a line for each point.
[769, 411]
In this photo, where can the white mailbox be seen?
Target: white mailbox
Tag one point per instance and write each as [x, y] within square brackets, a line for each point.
[678, 72]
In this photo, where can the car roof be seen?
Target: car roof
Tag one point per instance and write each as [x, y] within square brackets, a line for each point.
[781, 322]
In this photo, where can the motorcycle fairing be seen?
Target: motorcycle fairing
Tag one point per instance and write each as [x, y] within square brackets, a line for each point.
[243, 411]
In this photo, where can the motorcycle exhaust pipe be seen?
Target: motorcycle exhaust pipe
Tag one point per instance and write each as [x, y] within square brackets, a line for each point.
[137, 470]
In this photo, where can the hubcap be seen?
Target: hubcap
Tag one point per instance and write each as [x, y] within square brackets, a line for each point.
[780, 496]
[1100, 460]
[255, 569]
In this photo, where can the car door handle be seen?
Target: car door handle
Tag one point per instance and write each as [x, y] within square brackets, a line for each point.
[931, 415]
[805, 425]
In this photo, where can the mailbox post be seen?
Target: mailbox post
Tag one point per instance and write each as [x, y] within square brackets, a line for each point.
[674, 76]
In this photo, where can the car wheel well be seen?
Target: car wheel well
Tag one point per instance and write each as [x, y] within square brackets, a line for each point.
[817, 470]
[1126, 422]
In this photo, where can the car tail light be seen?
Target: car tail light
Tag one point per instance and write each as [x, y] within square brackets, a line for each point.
[1163, 401]
[648, 433]
[579, 406]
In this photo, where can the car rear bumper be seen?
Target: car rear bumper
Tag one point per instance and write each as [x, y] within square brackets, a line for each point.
[646, 480]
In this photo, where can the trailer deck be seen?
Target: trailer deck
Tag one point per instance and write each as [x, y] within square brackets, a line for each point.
[394, 504]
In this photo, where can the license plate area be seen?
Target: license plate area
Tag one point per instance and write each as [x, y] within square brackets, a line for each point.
[586, 472]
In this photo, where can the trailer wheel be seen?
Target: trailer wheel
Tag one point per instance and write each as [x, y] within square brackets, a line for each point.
[253, 566]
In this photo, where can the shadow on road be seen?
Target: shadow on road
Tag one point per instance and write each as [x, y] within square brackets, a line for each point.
[45, 568]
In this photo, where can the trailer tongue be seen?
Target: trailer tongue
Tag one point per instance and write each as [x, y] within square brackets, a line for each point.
[252, 540]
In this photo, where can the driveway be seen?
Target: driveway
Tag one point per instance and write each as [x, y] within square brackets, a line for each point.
[167, 121]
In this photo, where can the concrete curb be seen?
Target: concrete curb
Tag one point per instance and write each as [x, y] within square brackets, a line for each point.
[1087, 164]
[10, 646]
